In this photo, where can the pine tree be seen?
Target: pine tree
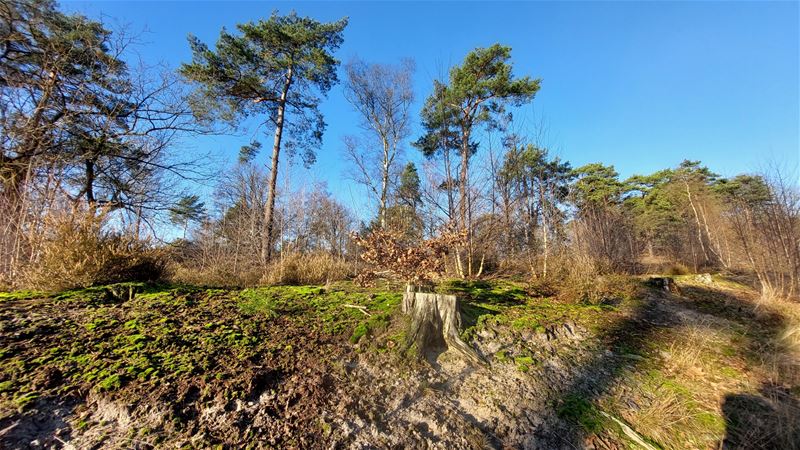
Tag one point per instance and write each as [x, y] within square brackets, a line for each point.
[272, 69]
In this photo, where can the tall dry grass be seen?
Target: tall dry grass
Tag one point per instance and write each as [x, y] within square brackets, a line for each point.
[313, 268]
[76, 249]
[287, 269]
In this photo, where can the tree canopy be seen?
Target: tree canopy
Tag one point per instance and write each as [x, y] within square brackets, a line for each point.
[284, 60]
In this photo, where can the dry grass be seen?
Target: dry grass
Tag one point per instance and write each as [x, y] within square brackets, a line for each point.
[217, 275]
[781, 364]
[302, 269]
[75, 250]
[597, 289]
[664, 417]
[765, 421]
[287, 269]
[677, 269]
[727, 373]
[694, 353]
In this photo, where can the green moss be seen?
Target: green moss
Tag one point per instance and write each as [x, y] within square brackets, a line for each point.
[711, 422]
[527, 322]
[524, 360]
[24, 399]
[360, 331]
[109, 383]
[501, 356]
[578, 409]
[21, 295]
[258, 302]
[6, 386]
[524, 363]
[325, 428]
[373, 323]
[655, 379]
[478, 291]
[728, 283]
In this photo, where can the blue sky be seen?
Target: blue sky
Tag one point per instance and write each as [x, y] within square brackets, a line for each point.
[639, 85]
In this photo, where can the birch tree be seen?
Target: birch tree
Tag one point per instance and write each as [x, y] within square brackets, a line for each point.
[382, 95]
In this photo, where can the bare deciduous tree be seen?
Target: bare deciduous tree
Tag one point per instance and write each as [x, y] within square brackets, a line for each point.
[382, 95]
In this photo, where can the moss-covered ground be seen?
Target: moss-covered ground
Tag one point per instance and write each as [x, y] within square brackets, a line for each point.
[136, 342]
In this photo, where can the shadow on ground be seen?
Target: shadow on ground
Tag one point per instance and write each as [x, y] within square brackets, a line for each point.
[769, 419]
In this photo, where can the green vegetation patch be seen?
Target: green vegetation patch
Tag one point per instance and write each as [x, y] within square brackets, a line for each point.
[131, 337]
[504, 303]
[485, 292]
[524, 363]
[21, 295]
[580, 410]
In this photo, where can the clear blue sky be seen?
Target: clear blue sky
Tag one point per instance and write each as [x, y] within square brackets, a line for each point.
[638, 85]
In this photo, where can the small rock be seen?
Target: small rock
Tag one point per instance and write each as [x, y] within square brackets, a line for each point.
[704, 278]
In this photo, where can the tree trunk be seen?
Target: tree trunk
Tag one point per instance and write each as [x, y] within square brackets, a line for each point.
[463, 188]
[544, 229]
[699, 226]
[463, 185]
[89, 184]
[435, 323]
[138, 229]
[450, 208]
[384, 183]
[266, 245]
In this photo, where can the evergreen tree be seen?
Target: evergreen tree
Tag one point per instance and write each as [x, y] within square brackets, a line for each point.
[272, 69]
[477, 92]
[408, 192]
[441, 140]
[188, 209]
[57, 74]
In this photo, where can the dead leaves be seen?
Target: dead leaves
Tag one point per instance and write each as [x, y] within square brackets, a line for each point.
[388, 250]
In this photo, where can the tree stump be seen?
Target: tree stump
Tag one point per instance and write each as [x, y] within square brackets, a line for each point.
[667, 284]
[435, 322]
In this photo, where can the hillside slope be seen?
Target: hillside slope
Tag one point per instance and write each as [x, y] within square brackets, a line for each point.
[141, 366]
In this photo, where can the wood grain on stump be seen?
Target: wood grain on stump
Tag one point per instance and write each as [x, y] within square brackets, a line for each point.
[435, 322]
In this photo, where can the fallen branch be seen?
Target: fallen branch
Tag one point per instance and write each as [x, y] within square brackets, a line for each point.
[9, 428]
[363, 309]
[630, 432]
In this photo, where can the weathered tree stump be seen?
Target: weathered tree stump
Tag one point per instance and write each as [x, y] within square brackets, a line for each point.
[435, 322]
[665, 283]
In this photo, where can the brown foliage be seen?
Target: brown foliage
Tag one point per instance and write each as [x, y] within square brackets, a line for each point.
[605, 289]
[287, 269]
[386, 250]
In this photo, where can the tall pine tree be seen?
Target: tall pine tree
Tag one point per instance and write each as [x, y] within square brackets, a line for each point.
[272, 69]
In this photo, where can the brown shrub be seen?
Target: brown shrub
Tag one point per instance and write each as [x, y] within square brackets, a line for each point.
[677, 269]
[75, 251]
[517, 267]
[288, 269]
[217, 275]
